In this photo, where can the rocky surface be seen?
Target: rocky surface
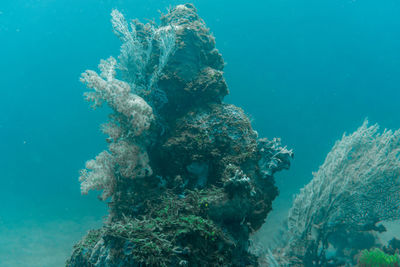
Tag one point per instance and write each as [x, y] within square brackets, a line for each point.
[211, 183]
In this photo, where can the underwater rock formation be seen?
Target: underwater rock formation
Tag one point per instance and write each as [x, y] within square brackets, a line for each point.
[186, 178]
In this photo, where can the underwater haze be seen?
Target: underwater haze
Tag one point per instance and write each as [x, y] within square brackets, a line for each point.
[304, 71]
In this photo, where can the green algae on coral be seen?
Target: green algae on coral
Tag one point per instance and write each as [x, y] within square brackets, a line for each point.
[377, 258]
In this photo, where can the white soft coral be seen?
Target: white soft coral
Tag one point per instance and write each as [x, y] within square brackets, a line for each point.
[126, 158]
[118, 95]
[99, 175]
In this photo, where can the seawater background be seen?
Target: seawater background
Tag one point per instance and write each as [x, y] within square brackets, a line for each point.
[305, 71]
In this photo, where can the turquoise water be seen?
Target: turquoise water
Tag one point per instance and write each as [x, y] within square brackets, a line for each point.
[305, 71]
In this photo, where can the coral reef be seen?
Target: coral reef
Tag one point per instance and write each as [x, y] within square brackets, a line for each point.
[335, 216]
[185, 176]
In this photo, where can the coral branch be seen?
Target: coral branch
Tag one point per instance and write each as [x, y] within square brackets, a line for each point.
[356, 187]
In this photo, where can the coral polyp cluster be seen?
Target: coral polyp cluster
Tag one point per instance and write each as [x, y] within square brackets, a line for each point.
[185, 176]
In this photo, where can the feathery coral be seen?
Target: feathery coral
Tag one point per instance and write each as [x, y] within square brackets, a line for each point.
[357, 186]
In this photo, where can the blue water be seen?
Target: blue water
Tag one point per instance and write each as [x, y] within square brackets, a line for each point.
[305, 71]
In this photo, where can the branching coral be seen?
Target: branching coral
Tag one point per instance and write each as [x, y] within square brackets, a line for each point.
[127, 159]
[118, 95]
[99, 175]
[357, 186]
[138, 44]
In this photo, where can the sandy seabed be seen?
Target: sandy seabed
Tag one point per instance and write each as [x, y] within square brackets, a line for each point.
[41, 244]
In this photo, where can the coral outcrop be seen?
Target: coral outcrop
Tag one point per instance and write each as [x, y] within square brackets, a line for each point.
[186, 178]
